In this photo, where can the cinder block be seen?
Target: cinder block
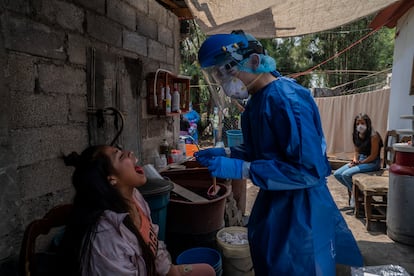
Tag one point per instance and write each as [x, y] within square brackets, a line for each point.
[157, 12]
[10, 246]
[24, 35]
[95, 5]
[140, 5]
[156, 126]
[172, 22]
[51, 175]
[135, 42]
[9, 192]
[20, 73]
[104, 29]
[19, 6]
[36, 110]
[77, 109]
[122, 13]
[66, 15]
[62, 79]
[165, 36]
[77, 46]
[157, 51]
[38, 144]
[147, 26]
[170, 55]
[34, 208]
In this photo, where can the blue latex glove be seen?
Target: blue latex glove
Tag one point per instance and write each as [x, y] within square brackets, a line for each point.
[224, 167]
[203, 156]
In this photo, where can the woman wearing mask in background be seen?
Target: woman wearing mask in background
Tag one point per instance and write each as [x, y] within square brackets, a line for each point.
[368, 143]
[110, 231]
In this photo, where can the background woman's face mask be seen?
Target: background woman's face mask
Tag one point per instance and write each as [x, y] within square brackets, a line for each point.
[361, 128]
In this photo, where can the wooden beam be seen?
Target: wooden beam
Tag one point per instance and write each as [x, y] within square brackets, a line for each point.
[187, 194]
[182, 12]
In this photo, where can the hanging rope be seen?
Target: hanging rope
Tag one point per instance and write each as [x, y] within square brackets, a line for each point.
[336, 55]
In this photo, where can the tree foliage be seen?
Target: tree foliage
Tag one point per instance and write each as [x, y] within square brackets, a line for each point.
[298, 54]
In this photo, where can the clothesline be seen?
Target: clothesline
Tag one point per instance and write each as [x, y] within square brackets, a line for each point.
[336, 55]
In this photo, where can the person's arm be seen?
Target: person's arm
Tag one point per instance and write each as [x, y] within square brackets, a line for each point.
[375, 147]
[355, 159]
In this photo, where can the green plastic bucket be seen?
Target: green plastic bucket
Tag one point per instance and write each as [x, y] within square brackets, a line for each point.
[234, 137]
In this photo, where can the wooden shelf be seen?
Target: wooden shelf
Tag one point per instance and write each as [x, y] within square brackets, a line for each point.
[405, 131]
[155, 104]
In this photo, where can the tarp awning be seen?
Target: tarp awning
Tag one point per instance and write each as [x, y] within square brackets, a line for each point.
[280, 18]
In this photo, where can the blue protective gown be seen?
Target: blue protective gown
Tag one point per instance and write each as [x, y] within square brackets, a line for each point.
[295, 227]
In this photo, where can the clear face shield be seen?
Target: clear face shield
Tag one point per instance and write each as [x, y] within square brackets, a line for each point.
[224, 75]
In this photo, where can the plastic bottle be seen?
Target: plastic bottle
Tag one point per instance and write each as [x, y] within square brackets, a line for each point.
[162, 97]
[164, 147]
[181, 147]
[175, 105]
[167, 99]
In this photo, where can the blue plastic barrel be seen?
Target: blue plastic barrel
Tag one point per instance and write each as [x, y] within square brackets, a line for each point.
[234, 137]
[202, 255]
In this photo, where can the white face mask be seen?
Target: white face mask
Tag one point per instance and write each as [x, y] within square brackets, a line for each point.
[235, 88]
[361, 128]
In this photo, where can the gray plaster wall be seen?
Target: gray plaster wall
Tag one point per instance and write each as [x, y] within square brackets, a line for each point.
[43, 90]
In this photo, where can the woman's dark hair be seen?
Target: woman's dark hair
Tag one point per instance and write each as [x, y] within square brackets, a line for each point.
[355, 135]
[94, 194]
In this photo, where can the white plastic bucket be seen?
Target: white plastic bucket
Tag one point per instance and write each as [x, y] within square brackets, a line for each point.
[236, 257]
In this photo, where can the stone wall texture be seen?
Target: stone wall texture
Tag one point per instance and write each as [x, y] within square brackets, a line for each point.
[46, 51]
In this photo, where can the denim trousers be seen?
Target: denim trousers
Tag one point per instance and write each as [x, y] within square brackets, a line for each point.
[344, 174]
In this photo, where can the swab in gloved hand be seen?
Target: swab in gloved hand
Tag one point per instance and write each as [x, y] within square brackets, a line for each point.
[224, 167]
[204, 156]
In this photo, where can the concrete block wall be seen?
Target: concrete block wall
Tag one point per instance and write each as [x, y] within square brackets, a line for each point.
[43, 90]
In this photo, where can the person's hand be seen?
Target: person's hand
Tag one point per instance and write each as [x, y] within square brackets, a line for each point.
[353, 163]
[224, 167]
[203, 156]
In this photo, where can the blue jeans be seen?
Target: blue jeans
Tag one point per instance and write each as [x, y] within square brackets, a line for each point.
[344, 174]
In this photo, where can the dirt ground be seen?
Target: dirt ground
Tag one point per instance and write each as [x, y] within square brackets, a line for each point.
[376, 247]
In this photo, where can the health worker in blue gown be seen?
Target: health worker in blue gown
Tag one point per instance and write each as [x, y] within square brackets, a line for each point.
[295, 227]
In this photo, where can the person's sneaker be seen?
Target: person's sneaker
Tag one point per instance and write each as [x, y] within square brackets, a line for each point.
[352, 202]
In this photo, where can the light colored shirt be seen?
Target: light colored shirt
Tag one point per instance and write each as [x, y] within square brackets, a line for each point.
[116, 251]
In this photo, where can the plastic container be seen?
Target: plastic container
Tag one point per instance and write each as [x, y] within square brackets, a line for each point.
[190, 149]
[175, 104]
[236, 257]
[182, 147]
[400, 224]
[234, 137]
[167, 100]
[164, 147]
[202, 255]
[157, 194]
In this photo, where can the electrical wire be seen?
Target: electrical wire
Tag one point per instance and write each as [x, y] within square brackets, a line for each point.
[365, 77]
[336, 55]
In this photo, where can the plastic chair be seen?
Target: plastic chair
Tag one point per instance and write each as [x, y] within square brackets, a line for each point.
[29, 264]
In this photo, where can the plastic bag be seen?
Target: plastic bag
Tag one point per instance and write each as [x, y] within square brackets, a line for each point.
[381, 270]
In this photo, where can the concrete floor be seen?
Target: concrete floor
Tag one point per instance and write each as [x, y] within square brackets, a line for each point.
[376, 247]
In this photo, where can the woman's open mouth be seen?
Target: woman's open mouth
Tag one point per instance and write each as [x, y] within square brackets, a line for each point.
[139, 170]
